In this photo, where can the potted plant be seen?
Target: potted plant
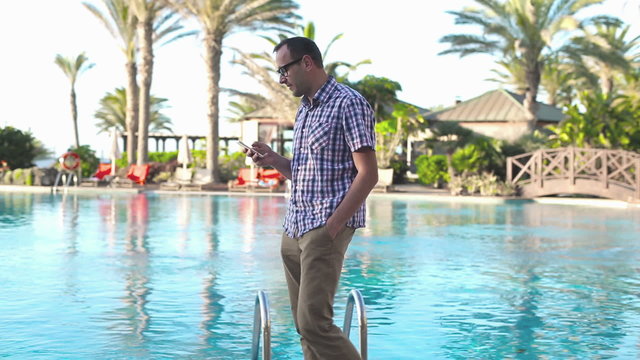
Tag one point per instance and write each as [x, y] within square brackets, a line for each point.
[390, 135]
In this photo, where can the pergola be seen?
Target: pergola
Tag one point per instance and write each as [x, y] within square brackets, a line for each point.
[161, 140]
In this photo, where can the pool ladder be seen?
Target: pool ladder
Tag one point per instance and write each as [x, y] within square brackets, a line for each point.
[64, 178]
[262, 323]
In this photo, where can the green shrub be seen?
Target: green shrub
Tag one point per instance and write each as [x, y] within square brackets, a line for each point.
[19, 148]
[122, 162]
[163, 157]
[18, 176]
[432, 169]
[200, 158]
[162, 176]
[400, 169]
[28, 179]
[230, 164]
[481, 155]
[485, 184]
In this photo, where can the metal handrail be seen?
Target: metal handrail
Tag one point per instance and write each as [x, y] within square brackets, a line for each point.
[261, 321]
[355, 298]
[65, 178]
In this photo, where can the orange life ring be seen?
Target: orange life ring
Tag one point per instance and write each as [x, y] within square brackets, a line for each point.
[70, 160]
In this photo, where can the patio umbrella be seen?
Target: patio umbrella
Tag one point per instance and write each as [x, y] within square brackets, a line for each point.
[115, 150]
[184, 154]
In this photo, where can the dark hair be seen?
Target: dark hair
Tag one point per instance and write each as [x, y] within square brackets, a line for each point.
[300, 46]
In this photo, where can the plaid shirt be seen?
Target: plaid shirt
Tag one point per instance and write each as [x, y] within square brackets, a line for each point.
[325, 135]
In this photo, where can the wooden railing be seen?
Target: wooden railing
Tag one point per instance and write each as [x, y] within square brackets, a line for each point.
[613, 174]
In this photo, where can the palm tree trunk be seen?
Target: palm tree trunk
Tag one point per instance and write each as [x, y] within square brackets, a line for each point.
[74, 116]
[213, 53]
[450, 169]
[132, 111]
[606, 85]
[146, 74]
[533, 71]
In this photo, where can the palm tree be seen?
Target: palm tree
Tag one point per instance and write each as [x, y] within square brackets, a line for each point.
[557, 81]
[219, 19]
[331, 67]
[248, 104]
[112, 112]
[393, 132]
[146, 12]
[122, 24]
[602, 55]
[280, 103]
[72, 68]
[380, 92]
[514, 75]
[631, 86]
[155, 21]
[516, 28]
[556, 78]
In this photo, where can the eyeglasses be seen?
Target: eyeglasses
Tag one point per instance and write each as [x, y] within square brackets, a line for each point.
[284, 69]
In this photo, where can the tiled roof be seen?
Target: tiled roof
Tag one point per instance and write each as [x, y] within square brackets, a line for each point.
[496, 105]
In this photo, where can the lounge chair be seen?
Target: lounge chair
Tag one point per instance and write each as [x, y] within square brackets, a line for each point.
[201, 181]
[101, 177]
[245, 178]
[136, 176]
[259, 180]
[268, 180]
[181, 177]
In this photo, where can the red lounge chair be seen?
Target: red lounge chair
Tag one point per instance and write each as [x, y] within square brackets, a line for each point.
[269, 180]
[103, 170]
[268, 174]
[138, 173]
[246, 177]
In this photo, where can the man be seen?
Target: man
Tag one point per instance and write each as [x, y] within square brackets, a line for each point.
[332, 172]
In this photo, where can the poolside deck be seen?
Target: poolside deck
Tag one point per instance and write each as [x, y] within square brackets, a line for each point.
[399, 191]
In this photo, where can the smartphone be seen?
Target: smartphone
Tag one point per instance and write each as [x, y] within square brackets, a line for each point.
[249, 148]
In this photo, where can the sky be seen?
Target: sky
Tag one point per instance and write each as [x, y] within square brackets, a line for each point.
[401, 39]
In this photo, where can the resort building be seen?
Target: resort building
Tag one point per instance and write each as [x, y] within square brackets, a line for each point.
[499, 114]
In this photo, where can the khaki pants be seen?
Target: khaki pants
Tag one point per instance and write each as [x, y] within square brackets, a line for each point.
[312, 265]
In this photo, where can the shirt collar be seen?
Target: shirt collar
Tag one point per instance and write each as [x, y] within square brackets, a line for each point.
[322, 94]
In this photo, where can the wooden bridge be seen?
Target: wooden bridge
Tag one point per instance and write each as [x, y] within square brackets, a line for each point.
[613, 174]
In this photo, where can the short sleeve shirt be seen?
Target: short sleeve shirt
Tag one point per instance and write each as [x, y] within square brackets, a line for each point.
[338, 122]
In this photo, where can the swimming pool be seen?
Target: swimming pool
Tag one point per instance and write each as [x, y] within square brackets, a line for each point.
[145, 276]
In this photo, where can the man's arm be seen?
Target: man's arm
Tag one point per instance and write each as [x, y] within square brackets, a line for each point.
[367, 177]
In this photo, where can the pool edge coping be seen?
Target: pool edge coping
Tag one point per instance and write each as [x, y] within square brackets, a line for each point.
[610, 203]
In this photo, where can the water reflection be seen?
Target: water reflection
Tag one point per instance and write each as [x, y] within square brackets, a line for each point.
[137, 222]
[107, 208]
[183, 221]
[69, 212]
[211, 218]
[146, 276]
[130, 321]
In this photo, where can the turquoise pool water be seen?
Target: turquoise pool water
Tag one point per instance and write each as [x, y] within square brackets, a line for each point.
[172, 276]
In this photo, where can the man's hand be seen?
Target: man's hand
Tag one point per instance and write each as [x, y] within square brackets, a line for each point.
[334, 228]
[263, 155]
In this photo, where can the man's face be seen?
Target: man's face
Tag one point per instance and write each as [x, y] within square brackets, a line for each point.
[291, 71]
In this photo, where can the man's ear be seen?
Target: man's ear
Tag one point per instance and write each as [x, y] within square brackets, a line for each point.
[307, 61]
